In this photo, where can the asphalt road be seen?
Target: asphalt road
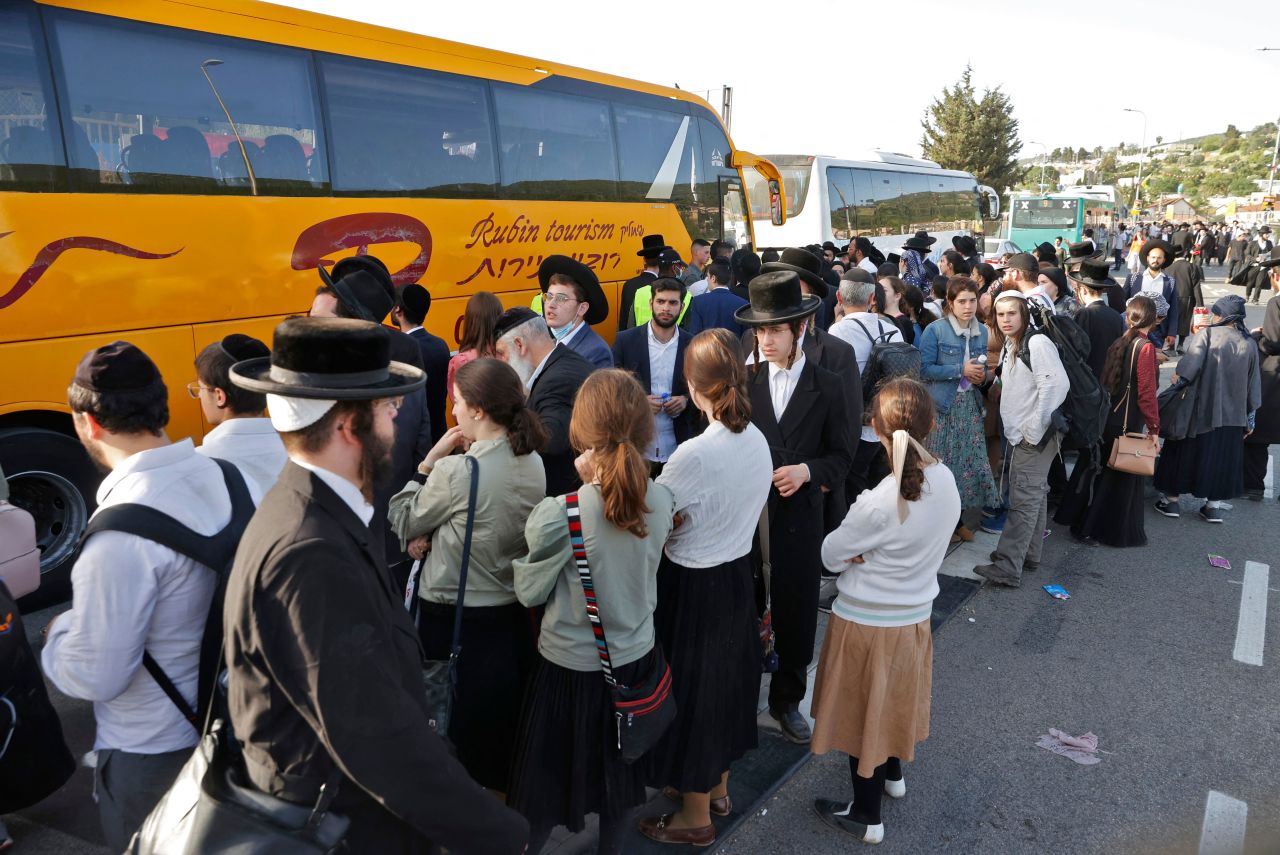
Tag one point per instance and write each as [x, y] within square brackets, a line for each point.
[1143, 655]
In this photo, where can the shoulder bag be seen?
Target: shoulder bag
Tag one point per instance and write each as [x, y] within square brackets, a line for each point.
[1134, 453]
[641, 712]
[440, 676]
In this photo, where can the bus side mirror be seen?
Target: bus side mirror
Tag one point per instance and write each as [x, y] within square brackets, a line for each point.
[775, 202]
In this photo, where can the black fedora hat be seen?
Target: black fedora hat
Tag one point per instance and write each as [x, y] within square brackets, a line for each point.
[1095, 273]
[776, 298]
[651, 245]
[597, 305]
[801, 262]
[329, 358]
[1169, 254]
[1079, 253]
[366, 294]
[920, 241]
[964, 244]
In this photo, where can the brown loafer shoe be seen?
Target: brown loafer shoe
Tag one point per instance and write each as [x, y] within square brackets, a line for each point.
[965, 533]
[655, 828]
[719, 807]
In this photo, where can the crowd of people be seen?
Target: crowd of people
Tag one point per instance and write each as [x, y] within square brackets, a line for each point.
[656, 513]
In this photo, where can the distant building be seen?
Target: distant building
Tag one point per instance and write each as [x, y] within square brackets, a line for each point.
[1173, 208]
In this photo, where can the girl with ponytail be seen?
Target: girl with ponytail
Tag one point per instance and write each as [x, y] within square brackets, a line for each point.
[500, 437]
[871, 695]
[568, 763]
[706, 617]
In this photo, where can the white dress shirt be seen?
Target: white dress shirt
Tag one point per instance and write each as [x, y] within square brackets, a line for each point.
[720, 481]
[533, 378]
[348, 492]
[131, 595]
[782, 384]
[869, 266]
[662, 370]
[252, 445]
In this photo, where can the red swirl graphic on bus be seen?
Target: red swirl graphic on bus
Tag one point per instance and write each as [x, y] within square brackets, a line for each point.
[47, 256]
[361, 231]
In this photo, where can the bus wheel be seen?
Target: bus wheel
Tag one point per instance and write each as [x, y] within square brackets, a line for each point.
[52, 478]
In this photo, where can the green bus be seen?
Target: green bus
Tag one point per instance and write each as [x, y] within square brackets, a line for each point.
[1036, 219]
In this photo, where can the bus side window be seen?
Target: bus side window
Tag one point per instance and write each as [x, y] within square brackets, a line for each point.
[841, 200]
[891, 216]
[864, 194]
[407, 131]
[656, 150]
[30, 151]
[555, 146]
[160, 110]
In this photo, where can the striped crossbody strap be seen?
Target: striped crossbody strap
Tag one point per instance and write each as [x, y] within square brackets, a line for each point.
[588, 587]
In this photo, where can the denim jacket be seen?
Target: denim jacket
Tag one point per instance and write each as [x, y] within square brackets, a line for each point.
[942, 358]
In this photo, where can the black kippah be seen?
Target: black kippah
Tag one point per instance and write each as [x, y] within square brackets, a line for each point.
[512, 318]
[240, 347]
[116, 367]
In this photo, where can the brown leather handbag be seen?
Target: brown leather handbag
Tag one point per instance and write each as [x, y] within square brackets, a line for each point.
[1134, 453]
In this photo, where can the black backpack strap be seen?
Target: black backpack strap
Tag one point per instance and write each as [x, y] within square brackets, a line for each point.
[171, 691]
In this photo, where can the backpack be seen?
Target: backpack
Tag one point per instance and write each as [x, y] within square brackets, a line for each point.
[887, 360]
[1083, 414]
[215, 551]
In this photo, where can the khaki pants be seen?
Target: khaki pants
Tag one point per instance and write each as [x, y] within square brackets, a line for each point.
[1023, 533]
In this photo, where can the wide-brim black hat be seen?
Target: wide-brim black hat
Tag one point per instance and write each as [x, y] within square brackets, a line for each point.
[801, 262]
[920, 242]
[597, 305]
[335, 359]
[652, 245]
[964, 244]
[776, 298]
[1169, 253]
[365, 293]
[1079, 253]
[1094, 274]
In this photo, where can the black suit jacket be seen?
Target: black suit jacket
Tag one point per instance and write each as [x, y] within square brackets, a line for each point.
[631, 351]
[435, 361]
[626, 301]
[412, 442]
[1103, 325]
[552, 399]
[325, 668]
[814, 431]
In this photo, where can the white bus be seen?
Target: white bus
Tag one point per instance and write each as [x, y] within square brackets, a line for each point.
[885, 197]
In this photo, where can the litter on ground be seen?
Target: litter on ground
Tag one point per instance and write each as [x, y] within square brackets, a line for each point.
[1057, 592]
[1081, 749]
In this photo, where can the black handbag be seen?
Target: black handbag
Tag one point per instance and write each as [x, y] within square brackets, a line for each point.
[1177, 405]
[642, 712]
[440, 676]
[210, 808]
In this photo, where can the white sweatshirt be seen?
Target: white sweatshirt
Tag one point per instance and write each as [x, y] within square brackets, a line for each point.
[1029, 396]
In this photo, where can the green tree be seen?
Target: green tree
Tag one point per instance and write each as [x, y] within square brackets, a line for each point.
[1232, 132]
[1232, 144]
[1241, 186]
[1159, 140]
[976, 134]
[1081, 153]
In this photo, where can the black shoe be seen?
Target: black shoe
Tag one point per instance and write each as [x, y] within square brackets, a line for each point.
[835, 814]
[1169, 509]
[794, 727]
[1210, 515]
[1254, 495]
[1084, 539]
[824, 604]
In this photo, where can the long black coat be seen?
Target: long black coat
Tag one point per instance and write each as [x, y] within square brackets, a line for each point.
[412, 442]
[325, 668]
[1267, 426]
[1187, 279]
[552, 399]
[1103, 325]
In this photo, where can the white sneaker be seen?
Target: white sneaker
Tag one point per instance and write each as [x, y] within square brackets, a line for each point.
[895, 789]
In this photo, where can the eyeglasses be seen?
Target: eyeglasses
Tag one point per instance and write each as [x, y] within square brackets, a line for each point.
[194, 387]
[393, 404]
[561, 299]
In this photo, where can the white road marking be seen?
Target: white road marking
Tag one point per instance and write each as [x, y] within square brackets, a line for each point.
[1251, 630]
[1224, 824]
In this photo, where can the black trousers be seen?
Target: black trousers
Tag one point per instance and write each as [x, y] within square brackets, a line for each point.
[1258, 280]
[795, 538]
[1255, 465]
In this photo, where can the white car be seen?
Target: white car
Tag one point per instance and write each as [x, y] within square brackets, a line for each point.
[996, 250]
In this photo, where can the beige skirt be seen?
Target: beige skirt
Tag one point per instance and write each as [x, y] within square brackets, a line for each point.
[871, 695]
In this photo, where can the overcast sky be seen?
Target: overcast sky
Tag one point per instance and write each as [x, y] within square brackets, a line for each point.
[826, 77]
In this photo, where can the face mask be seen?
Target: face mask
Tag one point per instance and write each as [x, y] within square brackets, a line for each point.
[563, 333]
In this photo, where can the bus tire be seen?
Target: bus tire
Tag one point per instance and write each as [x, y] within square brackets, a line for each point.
[52, 478]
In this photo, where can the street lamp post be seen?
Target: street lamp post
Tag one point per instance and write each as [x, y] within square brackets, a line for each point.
[1142, 156]
[1044, 154]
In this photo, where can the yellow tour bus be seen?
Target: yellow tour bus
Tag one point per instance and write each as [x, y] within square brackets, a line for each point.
[172, 172]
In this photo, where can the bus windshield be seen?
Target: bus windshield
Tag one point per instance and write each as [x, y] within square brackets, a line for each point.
[1045, 213]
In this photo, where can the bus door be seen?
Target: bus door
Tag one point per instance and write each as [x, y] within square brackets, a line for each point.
[734, 224]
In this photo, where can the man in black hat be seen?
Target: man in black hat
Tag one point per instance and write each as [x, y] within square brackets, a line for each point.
[828, 251]
[360, 288]
[1154, 282]
[135, 598]
[1257, 253]
[1187, 280]
[968, 247]
[1103, 324]
[552, 374]
[799, 407]
[241, 433]
[413, 302]
[1181, 239]
[670, 266]
[922, 243]
[572, 302]
[651, 247]
[745, 266]
[324, 666]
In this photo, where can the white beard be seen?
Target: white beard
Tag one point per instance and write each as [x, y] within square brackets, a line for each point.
[523, 367]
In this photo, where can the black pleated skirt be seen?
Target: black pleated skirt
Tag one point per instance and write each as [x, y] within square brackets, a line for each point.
[567, 761]
[706, 623]
[1114, 515]
[497, 657]
[1209, 466]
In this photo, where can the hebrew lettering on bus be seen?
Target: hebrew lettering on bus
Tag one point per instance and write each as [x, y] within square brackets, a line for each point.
[51, 252]
[504, 268]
